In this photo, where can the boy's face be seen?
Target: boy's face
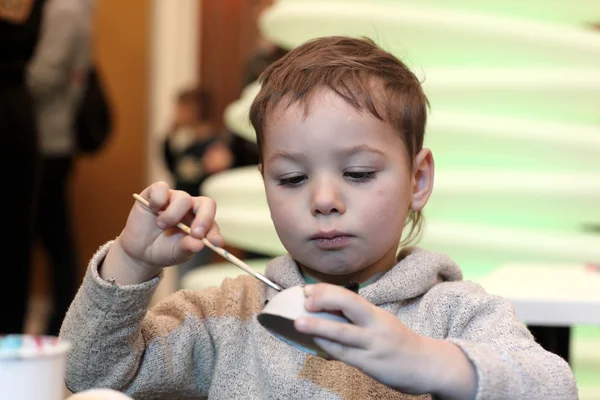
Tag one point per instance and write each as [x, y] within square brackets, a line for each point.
[339, 187]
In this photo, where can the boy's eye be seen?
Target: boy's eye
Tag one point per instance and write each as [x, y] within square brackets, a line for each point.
[360, 176]
[292, 181]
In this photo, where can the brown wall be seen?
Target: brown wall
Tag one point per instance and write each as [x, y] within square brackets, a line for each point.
[103, 184]
[228, 35]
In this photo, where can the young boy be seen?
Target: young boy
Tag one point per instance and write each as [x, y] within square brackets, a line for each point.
[340, 127]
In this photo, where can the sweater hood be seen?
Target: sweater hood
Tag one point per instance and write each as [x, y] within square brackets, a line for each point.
[419, 270]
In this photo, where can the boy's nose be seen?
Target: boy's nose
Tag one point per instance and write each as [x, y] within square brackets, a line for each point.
[326, 199]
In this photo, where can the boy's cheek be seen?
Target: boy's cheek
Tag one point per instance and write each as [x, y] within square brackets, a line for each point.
[283, 218]
[280, 205]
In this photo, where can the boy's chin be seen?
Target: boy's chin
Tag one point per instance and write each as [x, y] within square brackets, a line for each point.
[341, 268]
[331, 271]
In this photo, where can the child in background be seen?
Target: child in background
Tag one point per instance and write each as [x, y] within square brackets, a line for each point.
[193, 151]
[340, 125]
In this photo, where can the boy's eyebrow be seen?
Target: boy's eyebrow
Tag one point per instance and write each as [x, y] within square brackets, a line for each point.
[350, 151]
[346, 151]
[285, 155]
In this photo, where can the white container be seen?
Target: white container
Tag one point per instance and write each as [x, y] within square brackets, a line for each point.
[100, 394]
[32, 367]
[283, 309]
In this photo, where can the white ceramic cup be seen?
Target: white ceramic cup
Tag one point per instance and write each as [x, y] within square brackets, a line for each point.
[99, 394]
[32, 367]
[283, 309]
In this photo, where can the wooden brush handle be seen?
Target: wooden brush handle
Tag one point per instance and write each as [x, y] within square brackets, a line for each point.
[222, 252]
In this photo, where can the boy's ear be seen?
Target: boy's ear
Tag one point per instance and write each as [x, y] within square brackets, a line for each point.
[422, 179]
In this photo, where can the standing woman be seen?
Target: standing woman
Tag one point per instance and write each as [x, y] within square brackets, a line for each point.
[19, 26]
[56, 78]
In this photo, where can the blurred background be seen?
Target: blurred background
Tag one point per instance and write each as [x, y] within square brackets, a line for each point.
[514, 128]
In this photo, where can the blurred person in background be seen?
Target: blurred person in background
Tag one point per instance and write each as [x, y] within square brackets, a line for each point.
[56, 78]
[194, 150]
[19, 29]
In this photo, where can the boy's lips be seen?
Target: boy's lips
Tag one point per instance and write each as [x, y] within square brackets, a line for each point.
[328, 235]
[331, 240]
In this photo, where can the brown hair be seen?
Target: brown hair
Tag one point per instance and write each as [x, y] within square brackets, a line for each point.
[199, 98]
[363, 74]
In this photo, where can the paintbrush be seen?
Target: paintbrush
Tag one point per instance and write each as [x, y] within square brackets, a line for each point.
[222, 252]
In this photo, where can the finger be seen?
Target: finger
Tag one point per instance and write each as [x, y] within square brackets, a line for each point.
[205, 209]
[344, 333]
[157, 195]
[341, 352]
[214, 235]
[190, 244]
[180, 205]
[325, 297]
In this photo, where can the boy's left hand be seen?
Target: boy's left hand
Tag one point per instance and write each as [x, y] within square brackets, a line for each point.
[375, 341]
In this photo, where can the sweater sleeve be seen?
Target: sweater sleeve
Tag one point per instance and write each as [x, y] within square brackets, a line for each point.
[508, 362]
[118, 344]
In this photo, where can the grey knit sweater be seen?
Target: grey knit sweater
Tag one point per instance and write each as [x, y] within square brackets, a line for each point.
[209, 344]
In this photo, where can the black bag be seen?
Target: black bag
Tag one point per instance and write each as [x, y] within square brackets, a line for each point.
[94, 119]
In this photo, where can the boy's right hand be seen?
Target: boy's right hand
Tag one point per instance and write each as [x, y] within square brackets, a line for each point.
[149, 242]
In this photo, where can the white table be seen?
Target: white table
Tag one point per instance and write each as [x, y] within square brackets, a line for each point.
[549, 295]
